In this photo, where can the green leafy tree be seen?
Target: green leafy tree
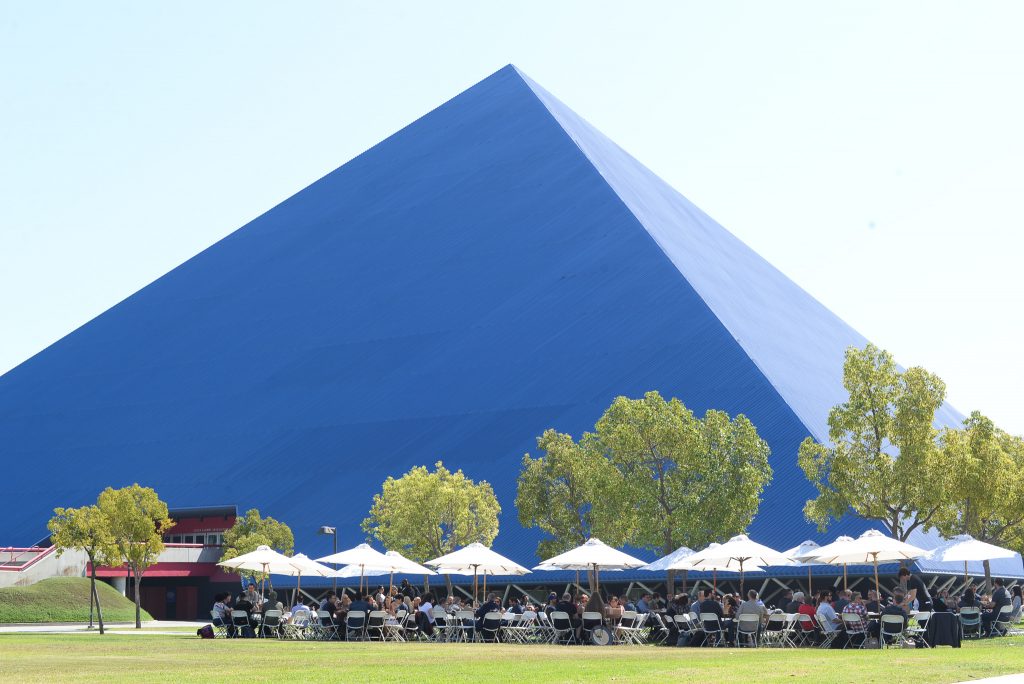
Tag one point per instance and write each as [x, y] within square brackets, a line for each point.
[426, 514]
[572, 493]
[136, 519]
[884, 463]
[85, 528]
[252, 531]
[985, 495]
[673, 464]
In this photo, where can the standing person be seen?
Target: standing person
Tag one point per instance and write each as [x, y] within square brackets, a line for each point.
[915, 589]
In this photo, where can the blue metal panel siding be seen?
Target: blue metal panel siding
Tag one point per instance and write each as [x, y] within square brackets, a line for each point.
[448, 294]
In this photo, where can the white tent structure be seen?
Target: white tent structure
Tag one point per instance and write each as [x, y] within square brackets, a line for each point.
[594, 554]
[736, 554]
[476, 559]
[966, 548]
[872, 547]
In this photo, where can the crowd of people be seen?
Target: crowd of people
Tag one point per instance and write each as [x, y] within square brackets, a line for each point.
[820, 618]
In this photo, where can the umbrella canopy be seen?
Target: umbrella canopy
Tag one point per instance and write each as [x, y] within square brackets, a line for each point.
[668, 562]
[739, 553]
[835, 547]
[474, 559]
[594, 553]
[264, 560]
[362, 557]
[966, 548]
[392, 562]
[871, 547]
[300, 565]
[804, 555]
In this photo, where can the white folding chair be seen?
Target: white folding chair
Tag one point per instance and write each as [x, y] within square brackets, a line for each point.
[271, 623]
[748, 626]
[240, 621]
[828, 631]
[561, 627]
[221, 629]
[1001, 623]
[355, 625]
[465, 625]
[325, 628]
[891, 629]
[714, 634]
[855, 629]
[375, 622]
[970, 621]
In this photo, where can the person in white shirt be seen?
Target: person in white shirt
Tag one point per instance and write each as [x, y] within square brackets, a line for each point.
[830, 619]
[425, 614]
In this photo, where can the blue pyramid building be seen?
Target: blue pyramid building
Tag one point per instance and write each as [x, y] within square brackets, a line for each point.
[496, 268]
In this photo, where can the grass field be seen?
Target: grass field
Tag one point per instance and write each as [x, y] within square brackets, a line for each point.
[152, 658]
[63, 599]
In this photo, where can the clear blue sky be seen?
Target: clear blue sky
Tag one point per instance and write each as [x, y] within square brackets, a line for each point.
[871, 150]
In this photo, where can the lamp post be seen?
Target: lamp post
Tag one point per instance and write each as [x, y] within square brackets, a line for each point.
[333, 531]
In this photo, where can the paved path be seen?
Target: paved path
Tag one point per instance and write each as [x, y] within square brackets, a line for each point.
[148, 627]
[1005, 679]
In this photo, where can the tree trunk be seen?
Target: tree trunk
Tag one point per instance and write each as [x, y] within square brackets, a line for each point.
[96, 597]
[92, 587]
[988, 575]
[138, 599]
[670, 583]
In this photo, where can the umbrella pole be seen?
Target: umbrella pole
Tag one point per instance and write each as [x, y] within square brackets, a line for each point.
[484, 595]
[878, 590]
[597, 579]
[844, 577]
[741, 579]
[361, 569]
[474, 585]
[577, 580]
[714, 579]
[965, 573]
[809, 589]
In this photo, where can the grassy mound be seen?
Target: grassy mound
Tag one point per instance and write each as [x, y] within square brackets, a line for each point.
[63, 599]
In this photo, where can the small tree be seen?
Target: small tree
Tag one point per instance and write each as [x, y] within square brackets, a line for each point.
[572, 493]
[85, 528]
[673, 464]
[884, 463]
[428, 514]
[137, 520]
[251, 531]
[985, 496]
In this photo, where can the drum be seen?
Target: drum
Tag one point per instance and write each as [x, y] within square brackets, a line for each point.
[601, 636]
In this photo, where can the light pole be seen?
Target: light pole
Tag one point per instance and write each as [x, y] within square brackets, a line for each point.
[333, 531]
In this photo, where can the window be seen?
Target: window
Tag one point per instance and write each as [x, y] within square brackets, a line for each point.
[188, 538]
[176, 539]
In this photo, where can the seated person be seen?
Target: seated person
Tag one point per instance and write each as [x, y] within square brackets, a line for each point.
[828, 612]
[856, 607]
[491, 605]
[566, 605]
[1000, 598]
[300, 610]
[753, 606]
[425, 614]
[897, 607]
[644, 604]
[873, 605]
[613, 611]
[272, 603]
[842, 600]
[793, 606]
[968, 600]
[221, 612]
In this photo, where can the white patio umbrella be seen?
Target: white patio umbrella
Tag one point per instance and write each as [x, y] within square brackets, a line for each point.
[476, 559]
[301, 565]
[966, 548]
[870, 547]
[742, 551]
[263, 560]
[663, 564]
[804, 555]
[363, 556]
[836, 547]
[395, 562]
[714, 567]
[594, 554]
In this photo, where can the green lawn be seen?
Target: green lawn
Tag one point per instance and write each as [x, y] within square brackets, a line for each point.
[152, 658]
[63, 599]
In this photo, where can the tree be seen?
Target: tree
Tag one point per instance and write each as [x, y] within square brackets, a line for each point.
[885, 462]
[85, 528]
[673, 464]
[985, 498]
[137, 520]
[252, 531]
[427, 514]
[572, 493]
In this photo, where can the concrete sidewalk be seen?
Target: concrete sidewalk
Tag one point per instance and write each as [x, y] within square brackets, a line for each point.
[1005, 679]
[148, 627]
